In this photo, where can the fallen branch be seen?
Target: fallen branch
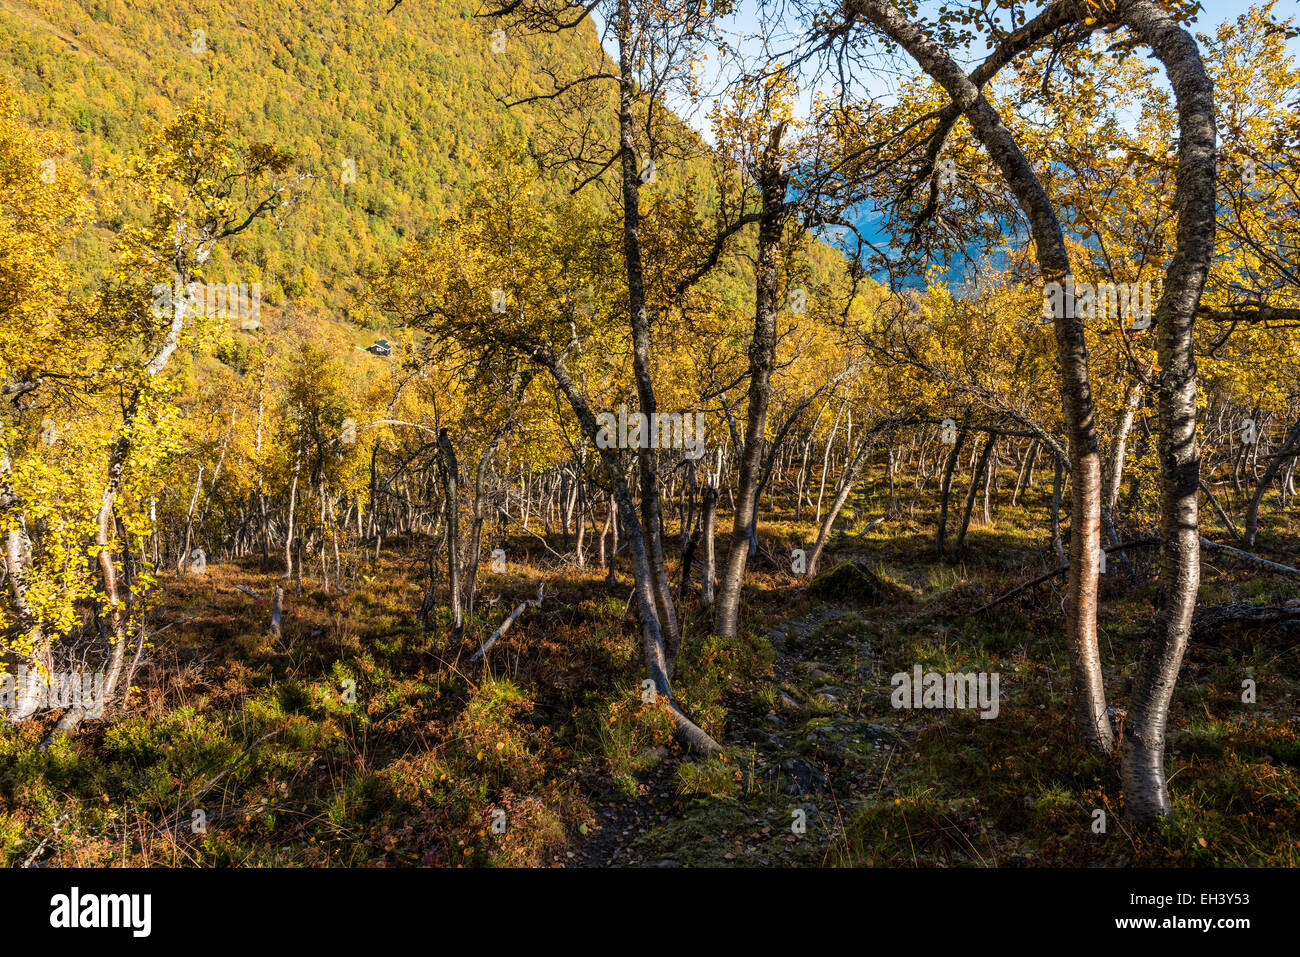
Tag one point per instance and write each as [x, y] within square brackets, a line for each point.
[546, 545]
[1271, 566]
[1223, 516]
[174, 821]
[212, 781]
[1021, 588]
[868, 527]
[1239, 613]
[31, 858]
[505, 625]
[173, 624]
[1055, 572]
[249, 591]
[1138, 543]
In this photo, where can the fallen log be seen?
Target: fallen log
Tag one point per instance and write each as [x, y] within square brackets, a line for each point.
[868, 527]
[1047, 576]
[505, 625]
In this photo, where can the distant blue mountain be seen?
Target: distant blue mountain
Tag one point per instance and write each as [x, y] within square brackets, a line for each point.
[871, 225]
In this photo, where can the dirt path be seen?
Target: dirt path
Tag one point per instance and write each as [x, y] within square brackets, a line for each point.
[815, 752]
[621, 820]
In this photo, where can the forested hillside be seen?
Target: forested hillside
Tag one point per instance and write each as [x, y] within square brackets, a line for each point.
[407, 102]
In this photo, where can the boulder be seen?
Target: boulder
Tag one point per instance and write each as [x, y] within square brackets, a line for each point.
[853, 581]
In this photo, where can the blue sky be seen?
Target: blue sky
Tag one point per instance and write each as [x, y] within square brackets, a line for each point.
[746, 21]
[744, 26]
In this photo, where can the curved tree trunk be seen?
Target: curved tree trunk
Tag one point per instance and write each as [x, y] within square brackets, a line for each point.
[651, 631]
[1289, 448]
[647, 459]
[1143, 767]
[1089, 699]
[851, 469]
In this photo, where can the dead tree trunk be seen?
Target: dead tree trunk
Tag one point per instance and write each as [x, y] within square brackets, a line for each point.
[1058, 488]
[708, 520]
[277, 609]
[293, 502]
[611, 578]
[1025, 469]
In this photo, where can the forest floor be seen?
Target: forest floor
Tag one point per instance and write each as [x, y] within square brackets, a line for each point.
[361, 737]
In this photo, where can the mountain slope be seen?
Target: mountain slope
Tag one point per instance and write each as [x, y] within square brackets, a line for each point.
[409, 97]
